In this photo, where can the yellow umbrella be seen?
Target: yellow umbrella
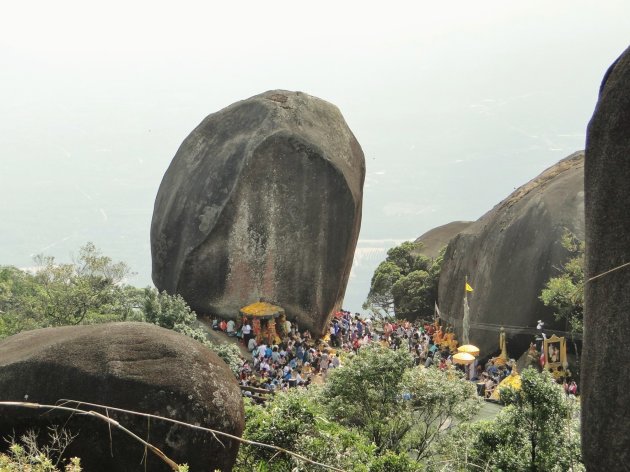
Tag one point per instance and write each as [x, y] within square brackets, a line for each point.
[469, 348]
[463, 358]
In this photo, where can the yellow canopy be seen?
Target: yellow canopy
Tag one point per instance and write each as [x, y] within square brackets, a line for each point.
[262, 310]
[469, 348]
[463, 358]
[512, 381]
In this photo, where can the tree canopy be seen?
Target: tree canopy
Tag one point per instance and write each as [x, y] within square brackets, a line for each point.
[405, 283]
[399, 407]
[565, 292]
[537, 431]
[92, 289]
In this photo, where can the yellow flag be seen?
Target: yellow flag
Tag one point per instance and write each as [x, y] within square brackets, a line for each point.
[468, 287]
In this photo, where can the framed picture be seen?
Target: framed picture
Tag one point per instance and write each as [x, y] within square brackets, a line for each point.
[555, 352]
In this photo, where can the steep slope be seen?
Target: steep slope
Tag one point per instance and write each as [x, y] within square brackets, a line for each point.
[510, 253]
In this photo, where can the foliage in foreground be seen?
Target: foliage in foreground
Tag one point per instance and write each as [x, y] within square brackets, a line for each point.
[26, 455]
[297, 421]
[399, 407]
[538, 431]
[376, 413]
[356, 430]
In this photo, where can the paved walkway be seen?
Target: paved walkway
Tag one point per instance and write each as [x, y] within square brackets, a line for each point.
[488, 411]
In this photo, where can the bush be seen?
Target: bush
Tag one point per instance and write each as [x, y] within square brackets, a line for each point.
[296, 421]
[27, 455]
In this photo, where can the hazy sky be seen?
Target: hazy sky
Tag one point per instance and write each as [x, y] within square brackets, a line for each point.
[455, 104]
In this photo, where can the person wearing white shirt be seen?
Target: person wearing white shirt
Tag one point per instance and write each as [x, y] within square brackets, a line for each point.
[230, 328]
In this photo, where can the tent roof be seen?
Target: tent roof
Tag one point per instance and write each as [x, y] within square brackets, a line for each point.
[262, 310]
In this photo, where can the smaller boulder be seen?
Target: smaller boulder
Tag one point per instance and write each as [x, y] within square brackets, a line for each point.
[434, 240]
[134, 366]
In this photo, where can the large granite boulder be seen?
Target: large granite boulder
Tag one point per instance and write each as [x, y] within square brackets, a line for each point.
[262, 200]
[605, 366]
[436, 238]
[510, 253]
[135, 366]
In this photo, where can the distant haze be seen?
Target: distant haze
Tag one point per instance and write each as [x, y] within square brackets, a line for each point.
[454, 103]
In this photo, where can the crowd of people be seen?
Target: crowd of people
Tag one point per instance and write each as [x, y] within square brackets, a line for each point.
[296, 359]
[491, 375]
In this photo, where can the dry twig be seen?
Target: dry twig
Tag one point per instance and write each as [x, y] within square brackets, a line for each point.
[153, 449]
[109, 421]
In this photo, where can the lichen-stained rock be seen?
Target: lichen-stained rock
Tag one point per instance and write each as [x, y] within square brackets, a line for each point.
[262, 200]
[605, 379]
[510, 253]
[134, 366]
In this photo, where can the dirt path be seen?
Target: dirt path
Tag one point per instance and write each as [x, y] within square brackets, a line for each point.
[219, 337]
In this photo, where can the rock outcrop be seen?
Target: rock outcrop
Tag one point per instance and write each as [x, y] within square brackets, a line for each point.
[605, 379]
[262, 200]
[435, 239]
[510, 253]
[134, 366]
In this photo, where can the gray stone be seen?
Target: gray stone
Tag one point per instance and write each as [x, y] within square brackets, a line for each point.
[437, 238]
[262, 200]
[510, 253]
[605, 365]
[134, 366]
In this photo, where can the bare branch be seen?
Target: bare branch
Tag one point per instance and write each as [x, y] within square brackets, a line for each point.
[153, 449]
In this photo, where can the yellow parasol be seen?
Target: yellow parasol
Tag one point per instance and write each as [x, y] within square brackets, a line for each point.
[469, 348]
[463, 358]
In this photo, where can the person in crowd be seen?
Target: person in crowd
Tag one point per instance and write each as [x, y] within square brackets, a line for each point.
[246, 330]
[230, 328]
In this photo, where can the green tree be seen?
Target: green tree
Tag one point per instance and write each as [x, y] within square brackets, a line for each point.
[405, 283]
[436, 400]
[296, 421]
[27, 455]
[538, 416]
[18, 295]
[68, 293]
[366, 393]
[380, 298]
[172, 312]
[412, 293]
[167, 311]
[565, 293]
[400, 408]
[92, 289]
[538, 431]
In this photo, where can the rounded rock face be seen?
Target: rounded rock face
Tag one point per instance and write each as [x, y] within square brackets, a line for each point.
[605, 368]
[436, 238]
[134, 366]
[262, 200]
[510, 253]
